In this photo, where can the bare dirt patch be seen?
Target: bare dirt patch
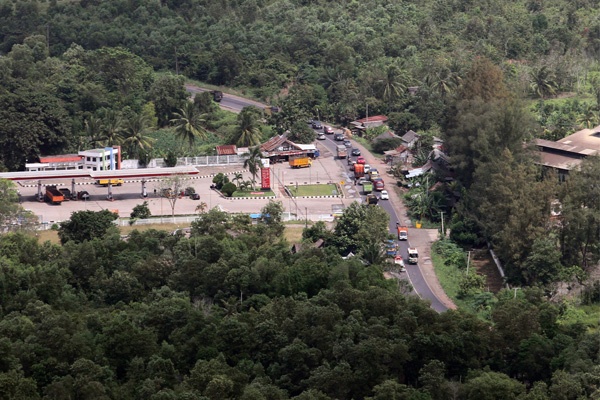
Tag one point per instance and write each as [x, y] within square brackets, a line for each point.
[482, 261]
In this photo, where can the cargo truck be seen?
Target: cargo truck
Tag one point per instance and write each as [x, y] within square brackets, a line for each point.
[402, 232]
[342, 151]
[359, 171]
[53, 195]
[413, 255]
[105, 182]
[66, 193]
[300, 162]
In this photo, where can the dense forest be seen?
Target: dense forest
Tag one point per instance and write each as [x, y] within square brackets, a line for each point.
[230, 312]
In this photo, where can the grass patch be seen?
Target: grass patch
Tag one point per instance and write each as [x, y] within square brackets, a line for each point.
[48, 236]
[169, 227]
[449, 278]
[314, 190]
[587, 315]
[293, 234]
[365, 143]
[254, 193]
[52, 236]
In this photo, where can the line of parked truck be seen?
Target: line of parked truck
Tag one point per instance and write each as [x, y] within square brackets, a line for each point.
[56, 195]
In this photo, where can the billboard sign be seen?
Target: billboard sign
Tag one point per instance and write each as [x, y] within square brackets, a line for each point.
[265, 175]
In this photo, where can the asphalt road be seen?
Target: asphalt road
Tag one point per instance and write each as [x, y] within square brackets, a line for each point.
[413, 272]
[229, 102]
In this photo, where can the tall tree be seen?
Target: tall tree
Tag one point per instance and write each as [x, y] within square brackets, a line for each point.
[247, 132]
[253, 162]
[168, 95]
[87, 225]
[113, 128]
[32, 123]
[483, 80]
[393, 84]
[580, 215]
[135, 136]
[359, 226]
[542, 82]
[188, 124]
[506, 197]
[481, 130]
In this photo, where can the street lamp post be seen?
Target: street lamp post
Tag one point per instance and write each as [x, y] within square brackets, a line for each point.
[306, 216]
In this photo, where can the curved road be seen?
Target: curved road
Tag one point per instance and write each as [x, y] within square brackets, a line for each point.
[413, 272]
[229, 102]
[415, 276]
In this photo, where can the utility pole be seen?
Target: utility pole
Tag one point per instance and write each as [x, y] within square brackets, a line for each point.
[443, 232]
[306, 215]
[468, 261]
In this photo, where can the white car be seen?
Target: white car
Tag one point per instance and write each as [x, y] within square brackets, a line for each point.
[321, 136]
[384, 195]
[367, 168]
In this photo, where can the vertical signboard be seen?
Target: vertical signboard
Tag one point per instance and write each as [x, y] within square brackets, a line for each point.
[265, 174]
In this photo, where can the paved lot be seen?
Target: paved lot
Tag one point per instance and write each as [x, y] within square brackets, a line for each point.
[126, 197]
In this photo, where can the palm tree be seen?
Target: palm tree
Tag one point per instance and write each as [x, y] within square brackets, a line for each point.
[93, 130]
[189, 123]
[247, 133]
[392, 84]
[372, 252]
[239, 178]
[589, 116]
[542, 82]
[135, 139]
[254, 162]
[112, 128]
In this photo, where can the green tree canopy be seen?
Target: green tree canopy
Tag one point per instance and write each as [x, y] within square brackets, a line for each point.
[87, 225]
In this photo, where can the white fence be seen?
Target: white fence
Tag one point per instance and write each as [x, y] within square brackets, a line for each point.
[202, 161]
[188, 219]
[286, 217]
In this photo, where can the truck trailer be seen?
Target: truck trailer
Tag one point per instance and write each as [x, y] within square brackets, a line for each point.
[359, 170]
[106, 182]
[300, 162]
[53, 195]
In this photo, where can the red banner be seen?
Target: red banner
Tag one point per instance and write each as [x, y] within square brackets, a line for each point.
[265, 174]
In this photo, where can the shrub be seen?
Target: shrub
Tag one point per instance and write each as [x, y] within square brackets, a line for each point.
[228, 189]
[219, 180]
[141, 211]
[171, 159]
